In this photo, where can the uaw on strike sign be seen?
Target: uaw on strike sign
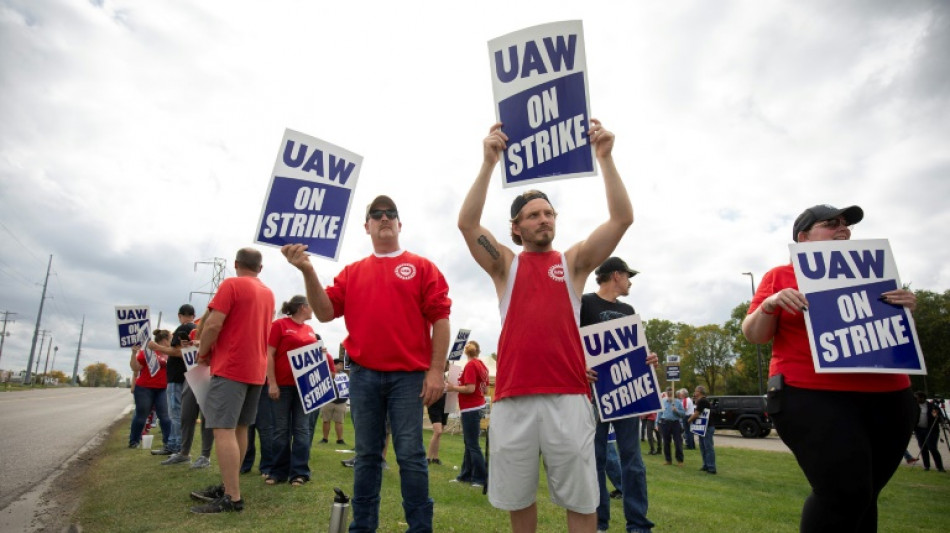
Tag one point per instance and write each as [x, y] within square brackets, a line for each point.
[626, 385]
[850, 328]
[539, 81]
[309, 197]
[311, 370]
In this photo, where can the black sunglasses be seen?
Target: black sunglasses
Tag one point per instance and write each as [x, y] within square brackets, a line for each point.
[377, 214]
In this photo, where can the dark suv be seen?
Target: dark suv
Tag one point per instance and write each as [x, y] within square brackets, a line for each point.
[744, 413]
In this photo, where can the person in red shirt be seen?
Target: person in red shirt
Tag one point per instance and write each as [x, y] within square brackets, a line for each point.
[848, 431]
[396, 308]
[236, 331]
[472, 386]
[149, 390]
[292, 430]
[542, 408]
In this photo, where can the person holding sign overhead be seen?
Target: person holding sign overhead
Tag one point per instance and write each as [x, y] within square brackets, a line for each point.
[292, 430]
[149, 391]
[847, 430]
[396, 307]
[542, 408]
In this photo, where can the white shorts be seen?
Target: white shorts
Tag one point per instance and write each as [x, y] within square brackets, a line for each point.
[561, 428]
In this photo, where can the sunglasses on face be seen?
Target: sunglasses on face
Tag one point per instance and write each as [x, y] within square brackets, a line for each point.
[834, 223]
[377, 214]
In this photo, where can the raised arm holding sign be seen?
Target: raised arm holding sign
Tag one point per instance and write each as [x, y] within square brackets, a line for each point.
[815, 385]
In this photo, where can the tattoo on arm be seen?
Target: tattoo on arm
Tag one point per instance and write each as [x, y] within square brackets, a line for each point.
[486, 244]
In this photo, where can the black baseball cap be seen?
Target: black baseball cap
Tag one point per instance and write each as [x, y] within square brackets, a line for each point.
[852, 215]
[523, 199]
[186, 310]
[615, 264]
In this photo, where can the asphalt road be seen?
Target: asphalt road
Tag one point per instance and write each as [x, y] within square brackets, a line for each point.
[41, 429]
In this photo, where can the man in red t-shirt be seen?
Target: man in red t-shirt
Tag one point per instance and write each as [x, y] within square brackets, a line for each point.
[396, 308]
[236, 329]
[472, 386]
[540, 295]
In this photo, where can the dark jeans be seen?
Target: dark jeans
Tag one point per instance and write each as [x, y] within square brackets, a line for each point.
[927, 439]
[473, 461]
[687, 434]
[263, 426]
[291, 436]
[650, 426]
[672, 432]
[375, 395]
[145, 398]
[707, 449]
[633, 479]
[848, 445]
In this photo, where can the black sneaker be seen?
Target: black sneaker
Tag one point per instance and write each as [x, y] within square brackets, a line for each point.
[340, 441]
[220, 505]
[324, 441]
[616, 494]
[211, 493]
[163, 451]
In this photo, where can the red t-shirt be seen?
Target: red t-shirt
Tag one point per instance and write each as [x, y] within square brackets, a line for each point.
[791, 353]
[389, 305]
[287, 335]
[475, 372]
[240, 353]
[146, 379]
[539, 350]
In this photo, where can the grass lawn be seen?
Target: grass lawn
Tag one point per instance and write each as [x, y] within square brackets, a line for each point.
[127, 490]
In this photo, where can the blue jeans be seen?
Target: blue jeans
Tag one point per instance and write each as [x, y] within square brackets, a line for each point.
[707, 450]
[373, 396]
[634, 474]
[264, 426]
[291, 437]
[613, 466]
[473, 462]
[688, 441]
[146, 398]
[174, 391]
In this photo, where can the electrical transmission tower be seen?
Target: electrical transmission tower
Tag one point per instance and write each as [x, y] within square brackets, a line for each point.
[217, 276]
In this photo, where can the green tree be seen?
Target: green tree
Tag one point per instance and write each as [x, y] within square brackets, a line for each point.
[100, 375]
[745, 377]
[932, 319]
[709, 350]
[661, 338]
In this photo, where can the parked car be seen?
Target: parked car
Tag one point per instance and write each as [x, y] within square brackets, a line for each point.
[743, 413]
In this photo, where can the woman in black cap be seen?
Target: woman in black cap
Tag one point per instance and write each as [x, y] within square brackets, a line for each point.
[848, 431]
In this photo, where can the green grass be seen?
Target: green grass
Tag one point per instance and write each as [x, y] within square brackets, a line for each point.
[127, 490]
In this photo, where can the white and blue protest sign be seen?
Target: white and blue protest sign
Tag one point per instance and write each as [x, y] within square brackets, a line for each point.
[672, 372]
[143, 337]
[458, 347]
[850, 327]
[308, 200]
[699, 425]
[626, 385]
[539, 82]
[129, 319]
[342, 382]
[312, 373]
[190, 355]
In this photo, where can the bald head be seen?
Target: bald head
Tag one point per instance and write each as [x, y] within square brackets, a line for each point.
[248, 259]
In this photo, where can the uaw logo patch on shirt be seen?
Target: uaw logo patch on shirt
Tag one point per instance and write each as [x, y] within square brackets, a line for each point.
[405, 271]
[556, 272]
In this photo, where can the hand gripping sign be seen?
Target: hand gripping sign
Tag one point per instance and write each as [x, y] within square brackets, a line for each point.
[850, 328]
[698, 426]
[142, 339]
[312, 374]
[626, 385]
[539, 81]
[459, 346]
[129, 319]
[308, 200]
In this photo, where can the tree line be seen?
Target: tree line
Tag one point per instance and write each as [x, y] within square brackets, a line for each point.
[720, 358]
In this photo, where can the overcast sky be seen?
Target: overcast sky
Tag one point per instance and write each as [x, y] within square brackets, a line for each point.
[137, 139]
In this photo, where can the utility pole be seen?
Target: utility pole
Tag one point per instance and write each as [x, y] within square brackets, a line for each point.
[3, 334]
[52, 367]
[39, 354]
[46, 364]
[39, 317]
[78, 348]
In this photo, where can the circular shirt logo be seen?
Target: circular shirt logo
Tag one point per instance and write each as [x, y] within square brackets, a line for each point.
[405, 271]
[556, 272]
